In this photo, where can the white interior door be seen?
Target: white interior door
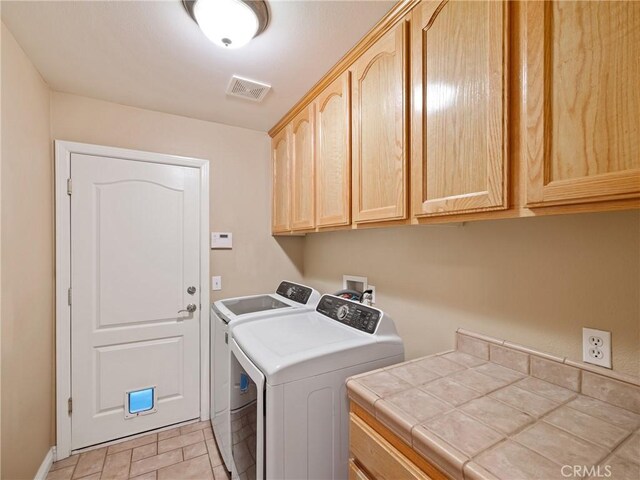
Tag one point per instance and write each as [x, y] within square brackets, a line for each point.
[134, 255]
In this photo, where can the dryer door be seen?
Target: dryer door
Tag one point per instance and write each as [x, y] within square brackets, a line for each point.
[220, 384]
[248, 420]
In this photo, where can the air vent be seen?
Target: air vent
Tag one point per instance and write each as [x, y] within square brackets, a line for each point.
[248, 89]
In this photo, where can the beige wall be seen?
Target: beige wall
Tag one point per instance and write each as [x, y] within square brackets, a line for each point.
[31, 117]
[240, 169]
[535, 281]
[27, 265]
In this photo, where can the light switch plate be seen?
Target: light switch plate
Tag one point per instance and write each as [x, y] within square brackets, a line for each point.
[596, 347]
[216, 283]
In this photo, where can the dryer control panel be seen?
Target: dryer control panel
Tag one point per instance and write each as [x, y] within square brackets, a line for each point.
[295, 292]
[357, 316]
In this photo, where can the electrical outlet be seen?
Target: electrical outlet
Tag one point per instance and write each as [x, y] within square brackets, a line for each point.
[596, 347]
[596, 353]
[596, 341]
[373, 294]
[216, 283]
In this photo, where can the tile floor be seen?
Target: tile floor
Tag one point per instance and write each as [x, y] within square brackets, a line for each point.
[182, 453]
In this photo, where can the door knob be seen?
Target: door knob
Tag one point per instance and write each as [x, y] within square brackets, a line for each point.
[190, 308]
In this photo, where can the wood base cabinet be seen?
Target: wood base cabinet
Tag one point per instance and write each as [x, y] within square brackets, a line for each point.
[459, 82]
[583, 101]
[376, 453]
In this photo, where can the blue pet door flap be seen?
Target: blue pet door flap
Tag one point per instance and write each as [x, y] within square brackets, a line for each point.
[140, 402]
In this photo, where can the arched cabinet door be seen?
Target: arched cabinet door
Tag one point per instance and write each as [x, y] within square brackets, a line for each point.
[583, 101]
[302, 171]
[280, 214]
[379, 106]
[459, 82]
[333, 154]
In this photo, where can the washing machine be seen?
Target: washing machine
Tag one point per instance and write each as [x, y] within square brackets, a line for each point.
[292, 371]
[289, 298]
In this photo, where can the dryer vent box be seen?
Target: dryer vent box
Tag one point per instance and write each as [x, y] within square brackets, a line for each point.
[354, 282]
[247, 89]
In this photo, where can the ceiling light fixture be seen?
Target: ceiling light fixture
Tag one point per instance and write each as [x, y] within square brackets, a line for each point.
[229, 23]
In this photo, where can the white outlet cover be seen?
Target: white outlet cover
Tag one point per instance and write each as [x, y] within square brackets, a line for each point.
[596, 347]
[373, 293]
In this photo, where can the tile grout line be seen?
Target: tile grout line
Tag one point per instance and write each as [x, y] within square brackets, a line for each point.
[104, 460]
[614, 450]
[543, 419]
[506, 437]
[131, 462]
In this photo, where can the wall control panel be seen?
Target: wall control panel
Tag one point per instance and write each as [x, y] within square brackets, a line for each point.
[295, 292]
[354, 315]
[221, 240]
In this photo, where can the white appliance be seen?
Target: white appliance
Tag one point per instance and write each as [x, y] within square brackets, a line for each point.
[292, 371]
[289, 298]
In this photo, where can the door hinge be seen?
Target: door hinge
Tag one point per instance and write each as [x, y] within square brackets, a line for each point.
[69, 296]
[68, 186]
[70, 405]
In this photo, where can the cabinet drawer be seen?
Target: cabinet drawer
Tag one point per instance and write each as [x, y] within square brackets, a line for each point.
[378, 456]
[354, 471]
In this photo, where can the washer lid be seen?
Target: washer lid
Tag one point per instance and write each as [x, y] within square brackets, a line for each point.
[303, 345]
[259, 303]
[290, 298]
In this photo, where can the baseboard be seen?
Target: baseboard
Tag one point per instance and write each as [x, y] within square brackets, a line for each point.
[45, 466]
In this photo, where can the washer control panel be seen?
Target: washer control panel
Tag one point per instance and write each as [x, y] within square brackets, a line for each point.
[295, 292]
[354, 315]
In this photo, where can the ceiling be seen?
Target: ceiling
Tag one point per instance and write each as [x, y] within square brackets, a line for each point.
[152, 55]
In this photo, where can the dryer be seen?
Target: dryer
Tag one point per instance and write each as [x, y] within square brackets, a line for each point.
[289, 298]
[293, 369]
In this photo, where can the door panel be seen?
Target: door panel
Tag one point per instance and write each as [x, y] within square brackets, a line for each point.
[120, 304]
[281, 187]
[459, 141]
[379, 146]
[302, 188]
[333, 161]
[134, 253]
[159, 360]
[583, 101]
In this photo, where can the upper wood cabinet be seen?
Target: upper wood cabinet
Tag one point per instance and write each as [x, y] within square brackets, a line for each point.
[333, 154]
[583, 101]
[379, 100]
[302, 171]
[467, 110]
[458, 77]
[280, 215]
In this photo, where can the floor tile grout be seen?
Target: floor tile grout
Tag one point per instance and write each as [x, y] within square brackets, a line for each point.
[209, 452]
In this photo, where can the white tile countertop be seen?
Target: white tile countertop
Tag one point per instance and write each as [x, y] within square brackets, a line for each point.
[494, 410]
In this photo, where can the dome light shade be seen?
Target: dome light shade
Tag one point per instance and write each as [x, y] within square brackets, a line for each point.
[229, 23]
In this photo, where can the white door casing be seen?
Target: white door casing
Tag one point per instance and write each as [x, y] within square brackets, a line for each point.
[135, 243]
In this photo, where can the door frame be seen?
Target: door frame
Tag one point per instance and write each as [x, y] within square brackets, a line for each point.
[63, 151]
